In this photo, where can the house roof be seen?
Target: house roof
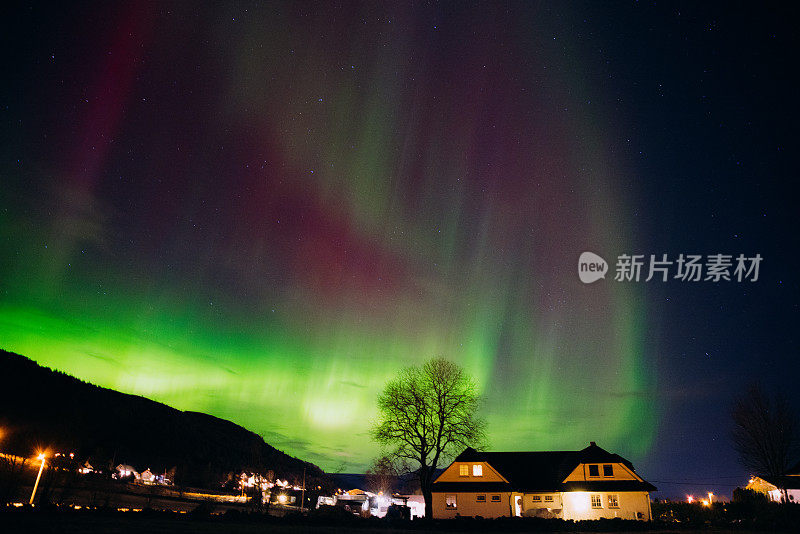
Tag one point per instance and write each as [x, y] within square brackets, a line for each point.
[546, 470]
[607, 485]
[788, 482]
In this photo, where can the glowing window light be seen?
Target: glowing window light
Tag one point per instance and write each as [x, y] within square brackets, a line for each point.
[579, 500]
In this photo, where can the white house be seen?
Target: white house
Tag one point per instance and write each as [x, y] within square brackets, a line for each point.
[791, 481]
[588, 484]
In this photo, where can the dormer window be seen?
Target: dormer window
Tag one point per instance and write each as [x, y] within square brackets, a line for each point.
[608, 470]
[477, 470]
[594, 470]
[463, 470]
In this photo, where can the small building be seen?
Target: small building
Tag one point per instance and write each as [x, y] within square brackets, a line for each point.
[86, 468]
[356, 501]
[147, 477]
[588, 484]
[416, 504]
[287, 495]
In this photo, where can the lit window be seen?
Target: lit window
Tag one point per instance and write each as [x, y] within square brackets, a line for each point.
[608, 470]
[481, 498]
[537, 498]
[597, 502]
[613, 501]
[594, 470]
[495, 498]
[548, 498]
[450, 502]
[477, 470]
[463, 470]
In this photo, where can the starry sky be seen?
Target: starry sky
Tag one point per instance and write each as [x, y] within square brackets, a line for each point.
[263, 211]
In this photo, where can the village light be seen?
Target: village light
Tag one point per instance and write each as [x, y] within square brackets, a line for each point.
[282, 498]
[41, 457]
[690, 499]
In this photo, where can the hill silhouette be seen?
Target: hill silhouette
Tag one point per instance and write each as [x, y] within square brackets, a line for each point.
[45, 409]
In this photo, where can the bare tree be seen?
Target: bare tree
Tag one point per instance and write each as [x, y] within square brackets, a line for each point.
[765, 433]
[382, 475]
[12, 470]
[427, 413]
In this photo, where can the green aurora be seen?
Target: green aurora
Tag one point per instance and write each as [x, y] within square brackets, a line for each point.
[276, 244]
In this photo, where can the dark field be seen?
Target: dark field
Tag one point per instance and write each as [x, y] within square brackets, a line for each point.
[57, 521]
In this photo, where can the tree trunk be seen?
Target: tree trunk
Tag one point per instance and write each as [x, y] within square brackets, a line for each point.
[427, 494]
[425, 483]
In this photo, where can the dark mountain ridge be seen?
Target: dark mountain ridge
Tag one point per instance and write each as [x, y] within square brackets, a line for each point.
[45, 409]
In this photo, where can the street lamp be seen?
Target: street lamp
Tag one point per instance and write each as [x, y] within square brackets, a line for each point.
[36, 485]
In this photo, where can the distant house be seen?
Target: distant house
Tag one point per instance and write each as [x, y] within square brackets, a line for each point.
[588, 484]
[124, 471]
[147, 477]
[790, 481]
[86, 468]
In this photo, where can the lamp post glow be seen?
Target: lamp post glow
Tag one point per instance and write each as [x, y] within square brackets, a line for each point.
[303, 494]
[36, 485]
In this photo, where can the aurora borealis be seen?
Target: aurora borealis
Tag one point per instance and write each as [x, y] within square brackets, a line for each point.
[263, 211]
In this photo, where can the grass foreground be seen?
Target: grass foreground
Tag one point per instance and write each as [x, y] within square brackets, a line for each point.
[67, 521]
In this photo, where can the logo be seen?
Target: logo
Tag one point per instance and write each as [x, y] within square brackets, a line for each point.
[683, 268]
[591, 267]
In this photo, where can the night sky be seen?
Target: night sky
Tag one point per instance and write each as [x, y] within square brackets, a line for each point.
[264, 211]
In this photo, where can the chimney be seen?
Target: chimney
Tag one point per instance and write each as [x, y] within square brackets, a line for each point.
[592, 444]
